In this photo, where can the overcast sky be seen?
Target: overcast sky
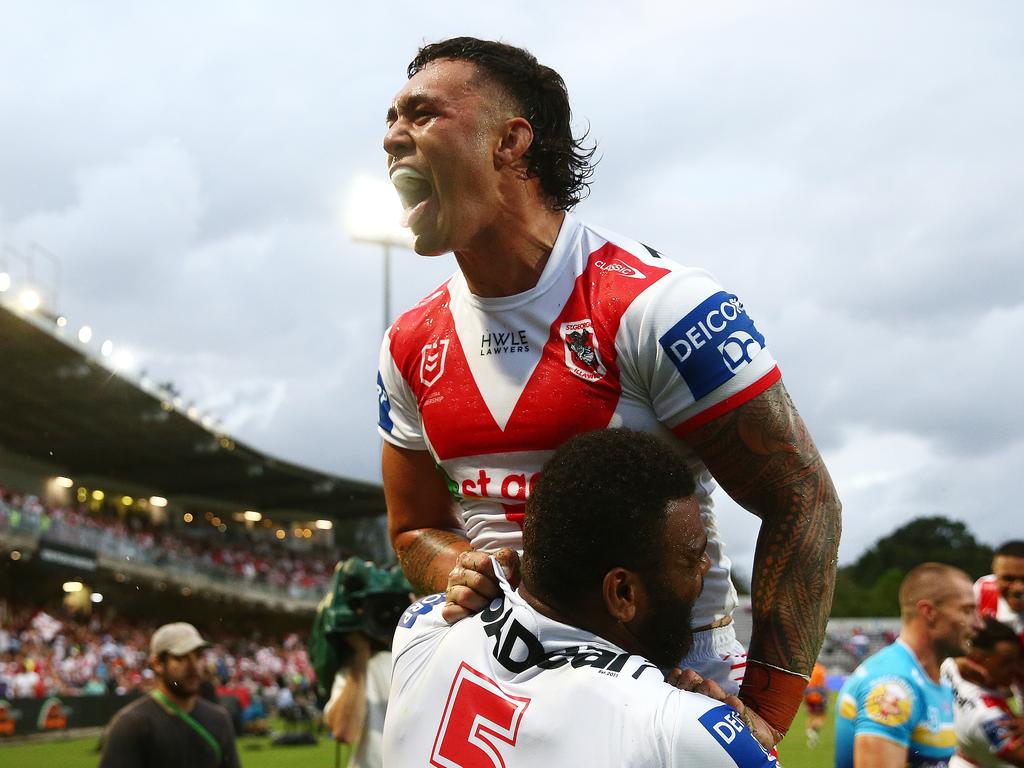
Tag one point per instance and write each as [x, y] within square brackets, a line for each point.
[854, 171]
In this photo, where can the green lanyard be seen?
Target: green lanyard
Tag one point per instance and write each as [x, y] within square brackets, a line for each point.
[190, 721]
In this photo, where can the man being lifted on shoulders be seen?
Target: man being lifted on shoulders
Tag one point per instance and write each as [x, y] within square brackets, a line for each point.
[552, 327]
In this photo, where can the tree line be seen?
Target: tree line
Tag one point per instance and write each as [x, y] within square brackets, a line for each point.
[869, 586]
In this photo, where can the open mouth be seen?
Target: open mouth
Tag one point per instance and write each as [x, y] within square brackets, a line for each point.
[414, 190]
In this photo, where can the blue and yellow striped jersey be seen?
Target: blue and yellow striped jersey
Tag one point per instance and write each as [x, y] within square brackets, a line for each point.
[889, 695]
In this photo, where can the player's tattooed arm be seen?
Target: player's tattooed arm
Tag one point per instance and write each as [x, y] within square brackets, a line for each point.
[764, 458]
[422, 524]
[427, 556]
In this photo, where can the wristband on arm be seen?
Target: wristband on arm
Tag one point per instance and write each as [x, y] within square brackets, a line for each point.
[774, 693]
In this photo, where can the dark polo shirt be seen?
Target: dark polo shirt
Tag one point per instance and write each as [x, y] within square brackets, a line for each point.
[145, 735]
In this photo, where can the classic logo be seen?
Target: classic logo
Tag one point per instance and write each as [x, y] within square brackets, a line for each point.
[432, 361]
[621, 268]
[738, 350]
[581, 350]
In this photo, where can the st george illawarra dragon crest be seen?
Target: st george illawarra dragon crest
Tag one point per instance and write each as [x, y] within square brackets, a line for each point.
[581, 350]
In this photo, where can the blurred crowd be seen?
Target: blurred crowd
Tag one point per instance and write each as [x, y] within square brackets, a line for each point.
[56, 653]
[260, 564]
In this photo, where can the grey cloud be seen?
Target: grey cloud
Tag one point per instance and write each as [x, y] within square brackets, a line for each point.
[854, 173]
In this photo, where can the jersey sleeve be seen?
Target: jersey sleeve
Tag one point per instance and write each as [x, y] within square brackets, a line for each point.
[992, 728]
[398, 418]
[711, 735]
[420, 619]
[887, 706]
[692, 347]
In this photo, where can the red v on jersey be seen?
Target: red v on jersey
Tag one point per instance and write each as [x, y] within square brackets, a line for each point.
[577, 367]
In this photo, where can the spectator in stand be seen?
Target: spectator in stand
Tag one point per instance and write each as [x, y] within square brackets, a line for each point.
[859, 643]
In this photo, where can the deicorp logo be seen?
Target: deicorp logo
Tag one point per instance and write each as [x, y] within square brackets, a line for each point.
[384, 407]
[712, 343]
[732, 734]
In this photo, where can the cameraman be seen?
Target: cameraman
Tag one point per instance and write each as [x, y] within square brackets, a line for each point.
[359, 699]
[367, 603]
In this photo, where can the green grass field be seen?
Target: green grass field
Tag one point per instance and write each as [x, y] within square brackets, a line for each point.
[256, 752]
[794, 753]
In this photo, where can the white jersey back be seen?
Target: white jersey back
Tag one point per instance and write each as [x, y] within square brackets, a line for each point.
[510, 688]
[612, 335]
[980, 718]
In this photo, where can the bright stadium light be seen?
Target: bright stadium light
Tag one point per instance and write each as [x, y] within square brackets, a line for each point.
[5, 282]
[193, 413]
[107, 348]
[30, 300]
[375, 213]
[158, 501]
[124, 361]
[324, 525]
[98, 495]
[127, 501]
[252, 516]
[96, 597]
[375, 216]
[280, 534]
[72, 586]
[64, 482]
[62, 321]
[85, 334]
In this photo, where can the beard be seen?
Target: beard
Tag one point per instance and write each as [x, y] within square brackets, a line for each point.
[182, 687]
[665, 634]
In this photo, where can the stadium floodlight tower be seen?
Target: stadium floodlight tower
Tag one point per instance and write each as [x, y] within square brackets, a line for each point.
[375, 216]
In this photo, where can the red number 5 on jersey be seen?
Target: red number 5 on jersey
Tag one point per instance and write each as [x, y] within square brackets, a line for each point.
[476, 716]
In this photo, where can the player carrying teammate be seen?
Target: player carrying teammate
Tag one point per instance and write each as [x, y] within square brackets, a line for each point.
[893, 711]
[565, 670]
[552, 327]
[981, 710]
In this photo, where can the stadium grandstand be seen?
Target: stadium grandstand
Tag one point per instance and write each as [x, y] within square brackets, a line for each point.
[122, 507]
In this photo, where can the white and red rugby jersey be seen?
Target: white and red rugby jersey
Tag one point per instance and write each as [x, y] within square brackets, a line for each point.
[981, 717]
[992, 603]
[510, 687]
[612, 335]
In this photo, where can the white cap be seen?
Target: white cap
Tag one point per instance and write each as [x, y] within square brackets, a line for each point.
[178, 639]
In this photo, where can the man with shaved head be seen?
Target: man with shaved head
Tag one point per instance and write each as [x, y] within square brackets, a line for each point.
[894, 711]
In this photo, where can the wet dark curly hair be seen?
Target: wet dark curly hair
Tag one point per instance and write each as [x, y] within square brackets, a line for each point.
[601, 502]
[561, 162]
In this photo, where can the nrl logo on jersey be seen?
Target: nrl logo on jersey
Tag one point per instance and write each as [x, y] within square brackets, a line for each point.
[581, 355]
[432, 360]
